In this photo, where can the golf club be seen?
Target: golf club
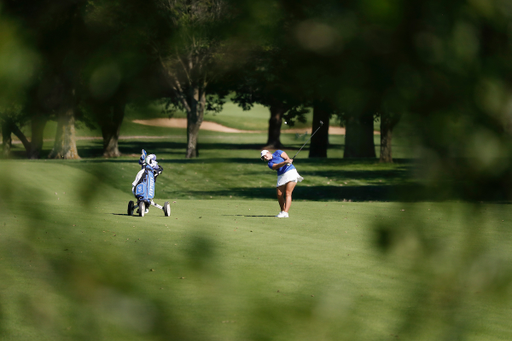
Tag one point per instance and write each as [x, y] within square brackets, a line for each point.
[321, 124]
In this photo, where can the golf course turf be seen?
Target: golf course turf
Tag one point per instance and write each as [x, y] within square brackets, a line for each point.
[353, 261]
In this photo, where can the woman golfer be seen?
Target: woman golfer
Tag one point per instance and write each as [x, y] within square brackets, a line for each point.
[287, 178]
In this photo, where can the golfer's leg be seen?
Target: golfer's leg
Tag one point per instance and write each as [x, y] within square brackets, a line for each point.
[280, 196]
[288, 194]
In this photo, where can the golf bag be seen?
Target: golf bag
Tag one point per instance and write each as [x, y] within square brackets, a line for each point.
[145, 189]
[144, 186]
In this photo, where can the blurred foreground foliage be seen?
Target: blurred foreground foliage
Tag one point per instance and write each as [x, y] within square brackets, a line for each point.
[444, 66]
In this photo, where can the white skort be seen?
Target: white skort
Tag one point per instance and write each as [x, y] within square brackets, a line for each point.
[291, 175]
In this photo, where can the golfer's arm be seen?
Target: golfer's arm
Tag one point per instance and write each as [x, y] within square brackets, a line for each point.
[279, 165]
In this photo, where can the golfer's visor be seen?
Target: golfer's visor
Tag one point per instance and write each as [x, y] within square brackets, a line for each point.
[263, 153]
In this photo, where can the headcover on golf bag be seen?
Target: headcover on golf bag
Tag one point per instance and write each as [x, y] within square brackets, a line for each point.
[151, 160]
[142, 159]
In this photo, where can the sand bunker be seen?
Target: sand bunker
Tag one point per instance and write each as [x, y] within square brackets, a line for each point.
[212, 126]
[182, 123]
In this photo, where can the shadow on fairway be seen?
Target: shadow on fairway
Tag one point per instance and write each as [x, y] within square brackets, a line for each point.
[126, 215]
[382, 193]
[133, 215]
[133, 147]
[325, 193]
[249, 216]
[159, 145]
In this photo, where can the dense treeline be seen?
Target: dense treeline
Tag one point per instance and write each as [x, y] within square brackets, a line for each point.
[443, 66]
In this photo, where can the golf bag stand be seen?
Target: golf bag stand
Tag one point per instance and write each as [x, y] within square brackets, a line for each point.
[145, 192]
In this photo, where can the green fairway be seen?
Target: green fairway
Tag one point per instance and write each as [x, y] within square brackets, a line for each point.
[354, 261]
[222, 267]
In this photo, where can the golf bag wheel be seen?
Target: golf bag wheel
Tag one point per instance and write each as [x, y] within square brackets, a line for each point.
[142, 208]
[131, 206]
[167, 209]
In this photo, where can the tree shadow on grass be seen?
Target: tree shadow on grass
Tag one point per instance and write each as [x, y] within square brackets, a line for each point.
[402, 174]
[412, 192]
[324, 193]
[157, 144]
[94, 148]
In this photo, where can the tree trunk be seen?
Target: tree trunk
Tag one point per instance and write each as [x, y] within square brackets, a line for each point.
[8, 128]
[359, 136]
[274, 126]
[388, 122]
[36, 146]
[320, 141]
[110, 129]
[386, 133]
[195, 117]
[6, 138]
[65, 138]
[19, 134]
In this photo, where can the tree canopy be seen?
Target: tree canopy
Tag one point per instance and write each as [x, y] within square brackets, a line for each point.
[444, 67]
